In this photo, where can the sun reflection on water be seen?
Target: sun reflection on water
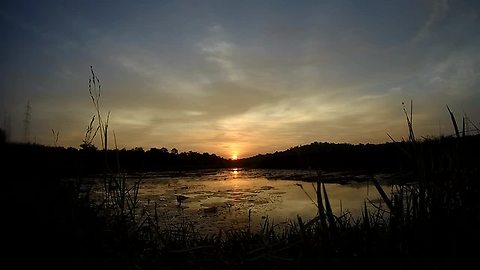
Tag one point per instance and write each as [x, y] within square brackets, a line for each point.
[223, 199]
[235, 172]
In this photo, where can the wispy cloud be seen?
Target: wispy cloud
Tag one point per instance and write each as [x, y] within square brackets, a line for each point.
[249, 78]
[439, 9]
[219, 51]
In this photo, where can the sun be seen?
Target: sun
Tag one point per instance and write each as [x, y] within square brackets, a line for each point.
[234, 156]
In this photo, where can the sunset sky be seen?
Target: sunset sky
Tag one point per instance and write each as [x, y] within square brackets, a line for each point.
[238, 77]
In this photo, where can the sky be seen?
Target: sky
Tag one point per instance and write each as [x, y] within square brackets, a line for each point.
[238, 77]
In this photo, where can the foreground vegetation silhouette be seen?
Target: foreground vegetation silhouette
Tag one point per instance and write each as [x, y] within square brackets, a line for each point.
[429, 222]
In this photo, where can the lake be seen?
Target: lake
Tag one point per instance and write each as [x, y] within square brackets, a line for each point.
[228, 198]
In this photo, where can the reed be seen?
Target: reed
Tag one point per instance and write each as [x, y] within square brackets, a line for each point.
[420, 221]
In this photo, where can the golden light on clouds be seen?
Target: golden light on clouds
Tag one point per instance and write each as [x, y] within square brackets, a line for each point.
[237, 89]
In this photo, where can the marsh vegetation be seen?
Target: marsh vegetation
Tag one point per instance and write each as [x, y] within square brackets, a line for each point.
[428, 218]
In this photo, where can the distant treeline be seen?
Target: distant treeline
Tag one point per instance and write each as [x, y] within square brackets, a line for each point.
[387, 157]
[75, 162]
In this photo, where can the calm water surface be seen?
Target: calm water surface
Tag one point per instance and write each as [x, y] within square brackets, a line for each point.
[223, 199]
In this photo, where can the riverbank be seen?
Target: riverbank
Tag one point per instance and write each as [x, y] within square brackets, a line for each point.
[432, 226]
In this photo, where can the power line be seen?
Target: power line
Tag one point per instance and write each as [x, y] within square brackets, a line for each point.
[26, 123]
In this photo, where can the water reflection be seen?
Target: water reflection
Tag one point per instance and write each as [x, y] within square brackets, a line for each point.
[222, 199]
[234, 172]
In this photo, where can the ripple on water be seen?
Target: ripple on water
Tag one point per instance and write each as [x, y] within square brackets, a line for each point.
[223, 199]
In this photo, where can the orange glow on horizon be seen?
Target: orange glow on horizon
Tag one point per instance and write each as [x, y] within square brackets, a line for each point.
[234, 155]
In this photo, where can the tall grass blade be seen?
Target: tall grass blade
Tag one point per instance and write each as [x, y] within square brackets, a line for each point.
[328, 208]
[454, 122]
[400, 147]
[470, 122]
[321, 208]
[411, 134]
[117, 156]
[302, 228]
[106, 132]
[382, 193]
[366, 218]
[308, 195]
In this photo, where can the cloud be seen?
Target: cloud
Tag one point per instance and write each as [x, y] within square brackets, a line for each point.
[458, 74]
[439, 9]
[220, 52]
[252, 79]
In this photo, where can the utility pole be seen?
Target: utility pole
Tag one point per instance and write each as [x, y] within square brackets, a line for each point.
[26, 123]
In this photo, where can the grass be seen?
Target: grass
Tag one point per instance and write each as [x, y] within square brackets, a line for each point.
[431, 224]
